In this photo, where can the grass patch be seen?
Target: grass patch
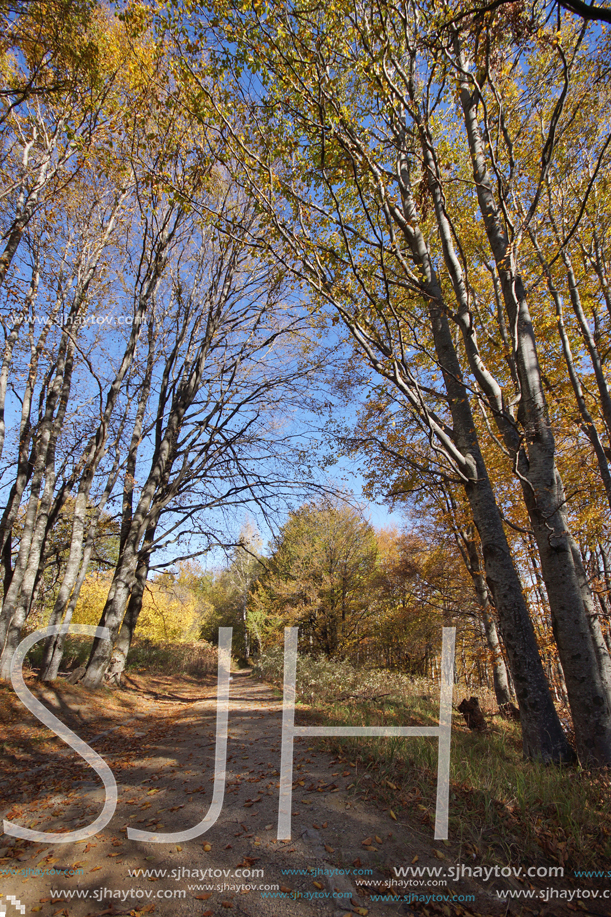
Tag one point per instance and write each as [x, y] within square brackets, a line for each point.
[338, 680]
[195, 659]
[502, 809]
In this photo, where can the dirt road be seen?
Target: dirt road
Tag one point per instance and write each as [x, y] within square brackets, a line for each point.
[159, 742]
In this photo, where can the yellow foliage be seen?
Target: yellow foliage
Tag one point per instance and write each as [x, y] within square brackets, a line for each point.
[168, 615]
[92, 599]
[170, 612]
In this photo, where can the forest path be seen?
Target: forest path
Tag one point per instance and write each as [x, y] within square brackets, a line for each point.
[158, 736]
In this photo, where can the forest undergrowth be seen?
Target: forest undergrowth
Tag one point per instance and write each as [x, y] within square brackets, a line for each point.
[502, 809]
[197, 659]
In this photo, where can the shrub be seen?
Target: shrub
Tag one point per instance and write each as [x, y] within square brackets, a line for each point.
[195, 659]
[335, 679]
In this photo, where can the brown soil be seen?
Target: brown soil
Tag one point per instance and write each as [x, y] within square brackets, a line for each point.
[158, 736]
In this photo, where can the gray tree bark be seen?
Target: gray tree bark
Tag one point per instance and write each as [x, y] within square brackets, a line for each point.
[9, 346]
[17, 601]
[587, 670]
[502, 690]
[156, 491]
[96, 446]
[123, 643]
[542, 734]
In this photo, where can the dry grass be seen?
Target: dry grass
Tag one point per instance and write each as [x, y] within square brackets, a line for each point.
[195, 659]
[502, 809]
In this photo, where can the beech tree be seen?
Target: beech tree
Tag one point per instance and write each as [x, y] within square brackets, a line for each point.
[180, 406]
[74, 199]
[359, 214]
[212, 415]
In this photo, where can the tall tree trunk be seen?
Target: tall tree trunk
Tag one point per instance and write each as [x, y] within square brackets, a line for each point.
[124, 640]
[9, 346]
[144, 518]
[502, 690]
[54, 646]
[112, 616]
[97, 444]
[156, 491]
[26, 462]
[586, 668]
[542, 734]
[18, 600]
[467, 545]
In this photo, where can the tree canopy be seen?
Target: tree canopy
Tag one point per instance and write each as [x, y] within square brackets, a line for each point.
[221, 220]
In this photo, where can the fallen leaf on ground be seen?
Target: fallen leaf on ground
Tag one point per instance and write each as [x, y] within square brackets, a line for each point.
[248, 861]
